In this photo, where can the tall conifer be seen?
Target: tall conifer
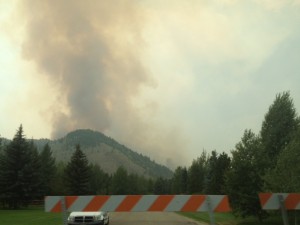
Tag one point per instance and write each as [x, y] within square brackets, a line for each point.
[78, 173]
[48, 170]
[19, 172]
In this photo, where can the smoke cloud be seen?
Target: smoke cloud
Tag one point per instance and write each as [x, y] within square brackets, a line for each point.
[90, 52]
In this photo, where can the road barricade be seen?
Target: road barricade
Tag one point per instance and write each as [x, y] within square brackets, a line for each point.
[282, 201]
[270, 201]
[139, 203]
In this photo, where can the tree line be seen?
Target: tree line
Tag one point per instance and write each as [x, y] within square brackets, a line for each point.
[27, 175]
[265, 162]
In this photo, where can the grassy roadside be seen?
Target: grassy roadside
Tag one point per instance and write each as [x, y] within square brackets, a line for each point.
[229, 219]
[37, 216]
[30, 216]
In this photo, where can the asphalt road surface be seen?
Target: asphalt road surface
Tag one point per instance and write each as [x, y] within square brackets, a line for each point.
[150, 218]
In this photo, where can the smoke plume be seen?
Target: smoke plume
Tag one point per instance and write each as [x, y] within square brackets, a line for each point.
[89, 51]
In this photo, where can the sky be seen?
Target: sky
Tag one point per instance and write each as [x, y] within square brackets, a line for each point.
[168, 79]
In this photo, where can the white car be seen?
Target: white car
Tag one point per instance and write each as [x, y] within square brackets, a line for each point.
[88, 218]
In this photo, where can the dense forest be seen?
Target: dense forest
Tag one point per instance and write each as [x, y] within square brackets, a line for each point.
[265, 162]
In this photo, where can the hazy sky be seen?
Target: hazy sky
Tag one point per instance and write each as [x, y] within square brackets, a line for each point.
[166, 78]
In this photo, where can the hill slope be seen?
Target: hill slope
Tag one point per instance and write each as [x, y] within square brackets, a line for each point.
[106, 152]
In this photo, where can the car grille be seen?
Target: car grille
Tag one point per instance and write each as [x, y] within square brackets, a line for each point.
[84, 219]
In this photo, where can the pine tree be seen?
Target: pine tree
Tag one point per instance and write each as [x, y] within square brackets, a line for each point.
[77, 173]
[162, 186]
[99, 180]
[18, 172]
[120, 184]
[48, 170]
[211, 181]
[218, 165]
[32, 173]
[0, 145]
[2, 174]
[179, 181]
[133, 183]
[58, 186]
[197, 173]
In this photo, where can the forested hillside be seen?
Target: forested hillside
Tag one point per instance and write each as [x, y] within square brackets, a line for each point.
[104, 151]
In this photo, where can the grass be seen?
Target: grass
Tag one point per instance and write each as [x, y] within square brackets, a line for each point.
[37, 216]
[229, 219]
[31, 215]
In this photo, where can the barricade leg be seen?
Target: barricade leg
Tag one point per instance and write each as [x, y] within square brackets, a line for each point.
[210, 211]
[63, 210]
[283, 210]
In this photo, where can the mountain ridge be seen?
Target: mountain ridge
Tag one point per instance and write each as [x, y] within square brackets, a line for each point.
[104, 151]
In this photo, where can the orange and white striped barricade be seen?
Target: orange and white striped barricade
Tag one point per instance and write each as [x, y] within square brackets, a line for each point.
[139, 203]
[282, 201]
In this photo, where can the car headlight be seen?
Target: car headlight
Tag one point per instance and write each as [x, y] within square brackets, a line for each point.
[100, 218]
[71, 218]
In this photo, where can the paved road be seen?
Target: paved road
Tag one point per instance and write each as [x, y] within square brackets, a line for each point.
[150, 218]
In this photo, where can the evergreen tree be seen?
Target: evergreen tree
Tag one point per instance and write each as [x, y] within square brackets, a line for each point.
[224, 163]
[159, 186]
[137, 184]
[48, 170]
[2, 174]
[184, 181]
[99, 180]
[278, 128]
[133, 181]
[33, 173]
[0, 145]
[217, 167]
[77, 173]
[19, 177]
[58, 186]
[243, 181]
[120, 183]
[162, 186]
[143, 185]
[211, 181]
[179, 181]
[196, 174]
[150, 186]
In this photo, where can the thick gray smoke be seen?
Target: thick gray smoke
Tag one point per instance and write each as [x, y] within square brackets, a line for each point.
[90, 51]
